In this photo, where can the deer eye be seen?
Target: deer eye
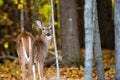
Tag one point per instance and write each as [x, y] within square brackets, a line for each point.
[43, 28]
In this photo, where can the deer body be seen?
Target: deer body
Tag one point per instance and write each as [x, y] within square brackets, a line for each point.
[24, 45]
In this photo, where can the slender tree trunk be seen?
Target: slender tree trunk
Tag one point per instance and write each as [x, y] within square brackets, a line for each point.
[97, 45]
[70, 41]
[117, 37]
[88, 39]
[54, 40]
[28, 16]
[22, 19]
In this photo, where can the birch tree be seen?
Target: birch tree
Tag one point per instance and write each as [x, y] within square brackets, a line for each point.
[88, 39]
[117, 38]
[97, 45]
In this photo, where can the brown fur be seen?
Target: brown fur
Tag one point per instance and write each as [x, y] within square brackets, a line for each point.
[19, 48]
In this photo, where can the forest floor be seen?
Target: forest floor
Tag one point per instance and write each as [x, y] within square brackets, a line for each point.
[11, 70]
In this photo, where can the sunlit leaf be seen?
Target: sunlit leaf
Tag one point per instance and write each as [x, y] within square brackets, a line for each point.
[20, 6]
[6, 45]
[5, 17]
[15, 1]
[22, 1]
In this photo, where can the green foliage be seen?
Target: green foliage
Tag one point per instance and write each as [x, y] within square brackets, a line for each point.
[45, 10]
[1, 2]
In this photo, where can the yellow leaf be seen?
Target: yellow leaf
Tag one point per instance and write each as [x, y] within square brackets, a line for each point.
[6, 45]
[6, 69]
[71, 79]
[74, 72]
[20, 6]
[15, 1]
[22, 1]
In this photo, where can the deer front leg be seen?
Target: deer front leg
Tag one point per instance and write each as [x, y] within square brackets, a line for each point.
[40, 70]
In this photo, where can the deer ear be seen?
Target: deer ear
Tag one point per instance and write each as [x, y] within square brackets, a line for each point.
[38, 23]
[50, 23]
[50, 26]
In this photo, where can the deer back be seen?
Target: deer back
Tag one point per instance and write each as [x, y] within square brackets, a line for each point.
[25, 36]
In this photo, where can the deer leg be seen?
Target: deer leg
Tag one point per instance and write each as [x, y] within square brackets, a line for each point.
[30, 70]
[34, 72]
[23, 68]
[30, 58]
[24, 52]
[40, 70]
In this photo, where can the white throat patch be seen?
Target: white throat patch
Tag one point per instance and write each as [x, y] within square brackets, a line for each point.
[48, 37]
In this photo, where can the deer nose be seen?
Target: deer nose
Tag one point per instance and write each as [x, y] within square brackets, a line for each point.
[48, 34]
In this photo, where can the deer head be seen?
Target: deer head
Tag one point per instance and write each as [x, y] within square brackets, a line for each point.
[46, 29]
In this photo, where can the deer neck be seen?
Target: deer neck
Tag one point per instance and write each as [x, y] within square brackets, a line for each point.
[45, 40]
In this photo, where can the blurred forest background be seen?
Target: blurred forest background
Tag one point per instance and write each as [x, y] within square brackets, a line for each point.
[10, 13]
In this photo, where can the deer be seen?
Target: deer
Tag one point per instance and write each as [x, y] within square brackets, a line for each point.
[34, 50]
[24, 43]
[40, 49]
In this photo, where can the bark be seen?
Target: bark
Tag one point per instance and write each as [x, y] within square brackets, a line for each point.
[105, 23]
[97, 45]
[117, 37]
[88, 39]
[70, 41]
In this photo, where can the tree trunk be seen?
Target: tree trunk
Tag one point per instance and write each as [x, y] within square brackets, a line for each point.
[70, 41]
[88, 38]
[97, 45]
[106, 23]
[80, 20]
[28, 16]
[117, 37]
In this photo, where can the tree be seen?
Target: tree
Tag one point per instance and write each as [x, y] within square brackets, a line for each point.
[80, 20]
[70, 41]
[88, 38]
[104, 8]
[117, 37]
[97, 45]
[106, 23]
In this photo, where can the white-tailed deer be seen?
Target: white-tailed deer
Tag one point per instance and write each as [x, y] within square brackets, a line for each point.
[33, 50]
[24, 45]
[40, 48]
